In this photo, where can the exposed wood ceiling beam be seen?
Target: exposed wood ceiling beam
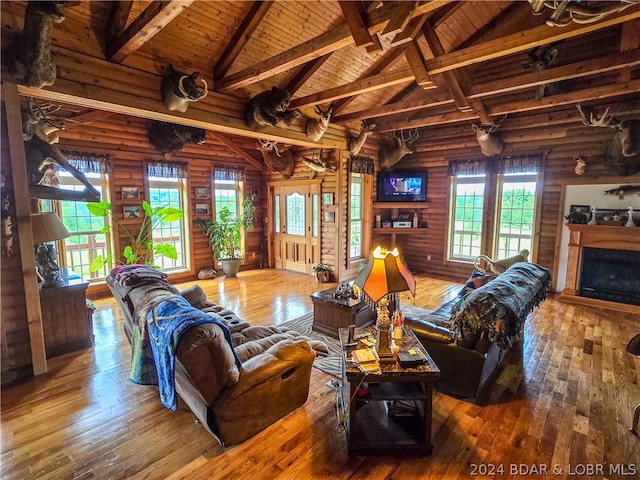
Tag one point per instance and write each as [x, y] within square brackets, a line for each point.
[305, 73]
[416, 61]
[499, 20]
[153, 19]
[585, 95]
[354, 14]
[620, 61]
[222, 138]
[441, 15]
[521, 42]
[629, 40]
[358, 87]
[240, 38]
[400, 17]
[118, 18]
[325, 43]
[410, 31]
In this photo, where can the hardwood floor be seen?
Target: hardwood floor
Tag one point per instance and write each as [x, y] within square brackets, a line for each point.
[563, 397]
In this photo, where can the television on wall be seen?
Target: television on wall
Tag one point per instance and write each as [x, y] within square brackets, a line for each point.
[405, 186]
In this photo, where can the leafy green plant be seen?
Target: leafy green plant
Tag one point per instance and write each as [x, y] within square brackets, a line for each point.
[321, 267]
[225, 232]
[141, 248]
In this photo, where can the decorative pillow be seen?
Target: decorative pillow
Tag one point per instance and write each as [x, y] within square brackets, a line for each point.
[476, 280]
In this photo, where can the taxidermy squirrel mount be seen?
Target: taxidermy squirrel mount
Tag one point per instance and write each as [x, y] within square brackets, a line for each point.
[500, 266]
[269, 108]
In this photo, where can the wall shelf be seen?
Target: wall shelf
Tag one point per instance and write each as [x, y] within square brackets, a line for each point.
[401, 204]
[399, 231]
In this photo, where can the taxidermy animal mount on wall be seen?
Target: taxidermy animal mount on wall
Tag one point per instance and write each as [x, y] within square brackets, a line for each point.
[43, 157]
[490, 143]
[542, 58]
[356, 143]
[316, 128]
[623, 152]
[269, 108]
[388, 156]
[29, 54]
[179, 89]
[281, 162]
[317, 165]
[171, 137]
[581, 165]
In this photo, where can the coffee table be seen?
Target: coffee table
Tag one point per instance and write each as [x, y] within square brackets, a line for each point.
[393, 415]
[331, 314]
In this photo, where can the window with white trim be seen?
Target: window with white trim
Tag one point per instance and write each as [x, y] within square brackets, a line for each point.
[356, 227]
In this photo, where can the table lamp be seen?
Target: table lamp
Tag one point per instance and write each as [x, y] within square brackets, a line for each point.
[47, 227]
[382, 279]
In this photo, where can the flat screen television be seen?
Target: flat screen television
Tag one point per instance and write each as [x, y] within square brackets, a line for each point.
[406, 186]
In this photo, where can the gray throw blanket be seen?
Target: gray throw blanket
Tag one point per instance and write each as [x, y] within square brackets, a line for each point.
[501, 306]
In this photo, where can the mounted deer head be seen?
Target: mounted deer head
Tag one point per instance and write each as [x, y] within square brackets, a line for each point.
[171, 137]
[389, 156]
[581, 164]
[490, 144]
[281, 162]
[541, 58]
[356, 143]
[179, 89]
[623, 152]
[316, 128]
[29, 54]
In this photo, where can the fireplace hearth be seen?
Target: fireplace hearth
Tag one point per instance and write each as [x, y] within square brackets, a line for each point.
[612, 275]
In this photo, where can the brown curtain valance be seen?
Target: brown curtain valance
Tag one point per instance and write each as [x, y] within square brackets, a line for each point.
[362, 165]
[511, 164]
[162, 169]
[234, 174]
[88, 162]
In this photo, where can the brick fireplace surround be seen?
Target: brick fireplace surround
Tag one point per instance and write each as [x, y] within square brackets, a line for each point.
[596, 236]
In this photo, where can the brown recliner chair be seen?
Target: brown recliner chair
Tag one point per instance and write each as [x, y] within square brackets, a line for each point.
[233, 403]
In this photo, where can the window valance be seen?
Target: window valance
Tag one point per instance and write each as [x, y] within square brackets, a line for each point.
[362, 165]
[234, 174]
[88, 162]
[162, 169]
[511, 164]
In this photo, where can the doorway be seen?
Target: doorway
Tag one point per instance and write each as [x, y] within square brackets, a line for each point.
[294, 219]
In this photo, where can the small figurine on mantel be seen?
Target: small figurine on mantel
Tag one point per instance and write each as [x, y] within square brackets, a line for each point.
[630, 222]
[593, 220]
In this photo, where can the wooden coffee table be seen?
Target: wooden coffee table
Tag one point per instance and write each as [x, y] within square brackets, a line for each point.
[331, 314]
[393, 415]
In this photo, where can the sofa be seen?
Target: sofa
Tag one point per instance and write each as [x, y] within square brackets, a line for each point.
[468, 336]
[236, 378]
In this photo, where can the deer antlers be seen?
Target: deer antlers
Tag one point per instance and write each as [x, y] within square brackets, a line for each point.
[604, 121]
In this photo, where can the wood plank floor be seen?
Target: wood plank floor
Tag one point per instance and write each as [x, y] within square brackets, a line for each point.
[563, 397]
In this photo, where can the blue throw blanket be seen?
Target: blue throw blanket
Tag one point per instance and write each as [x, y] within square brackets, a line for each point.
[501, 306]
[166, 322]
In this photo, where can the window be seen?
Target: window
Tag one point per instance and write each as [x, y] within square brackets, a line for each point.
[356, 199]
[466, 227]
[493, 207]
[85, 242]
[168, 192]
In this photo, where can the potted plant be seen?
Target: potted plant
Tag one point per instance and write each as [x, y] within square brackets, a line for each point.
[225, 235]
[141, 248]
[322, 272]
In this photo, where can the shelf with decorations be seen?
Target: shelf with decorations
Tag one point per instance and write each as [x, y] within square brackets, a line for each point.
[408, 217]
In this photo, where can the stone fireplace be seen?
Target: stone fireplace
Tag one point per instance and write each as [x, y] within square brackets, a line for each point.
[603, 267]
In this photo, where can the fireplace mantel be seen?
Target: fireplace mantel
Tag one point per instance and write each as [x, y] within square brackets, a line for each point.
[596, 236]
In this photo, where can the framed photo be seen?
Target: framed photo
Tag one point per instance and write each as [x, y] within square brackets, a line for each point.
[130, 193]
[131, 211]
[580, 209]
[254, 194]
[329, 216]
[327, 198]
[201, 192]
[202, 208]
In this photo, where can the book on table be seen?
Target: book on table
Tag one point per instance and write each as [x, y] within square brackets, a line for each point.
[367, 360]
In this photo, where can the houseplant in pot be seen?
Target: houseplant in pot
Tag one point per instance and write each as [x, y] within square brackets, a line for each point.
[225, 235]
[322, 272]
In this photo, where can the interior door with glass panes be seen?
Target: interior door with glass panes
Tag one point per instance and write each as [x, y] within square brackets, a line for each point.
[296, 227]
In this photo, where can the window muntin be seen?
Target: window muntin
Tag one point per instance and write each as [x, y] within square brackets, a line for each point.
[295, 214]
[168, 192]
[226, 195]
[516, 214]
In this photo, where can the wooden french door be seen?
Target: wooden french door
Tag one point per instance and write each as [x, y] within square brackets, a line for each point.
[295, 225]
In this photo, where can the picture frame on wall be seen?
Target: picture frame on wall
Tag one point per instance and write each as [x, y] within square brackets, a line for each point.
[202, 209]
[254, 194]
[329, 216]
[201, 192]
[131, 211]
[580, 209]
[327, 198]
[130, 193]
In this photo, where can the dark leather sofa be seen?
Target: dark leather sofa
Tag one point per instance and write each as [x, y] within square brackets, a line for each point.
[469, 335]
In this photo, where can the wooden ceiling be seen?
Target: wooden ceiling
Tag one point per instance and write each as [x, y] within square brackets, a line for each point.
[402, 64]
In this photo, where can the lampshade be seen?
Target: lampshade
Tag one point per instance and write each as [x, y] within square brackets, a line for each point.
[385, 273]
[47, 227]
